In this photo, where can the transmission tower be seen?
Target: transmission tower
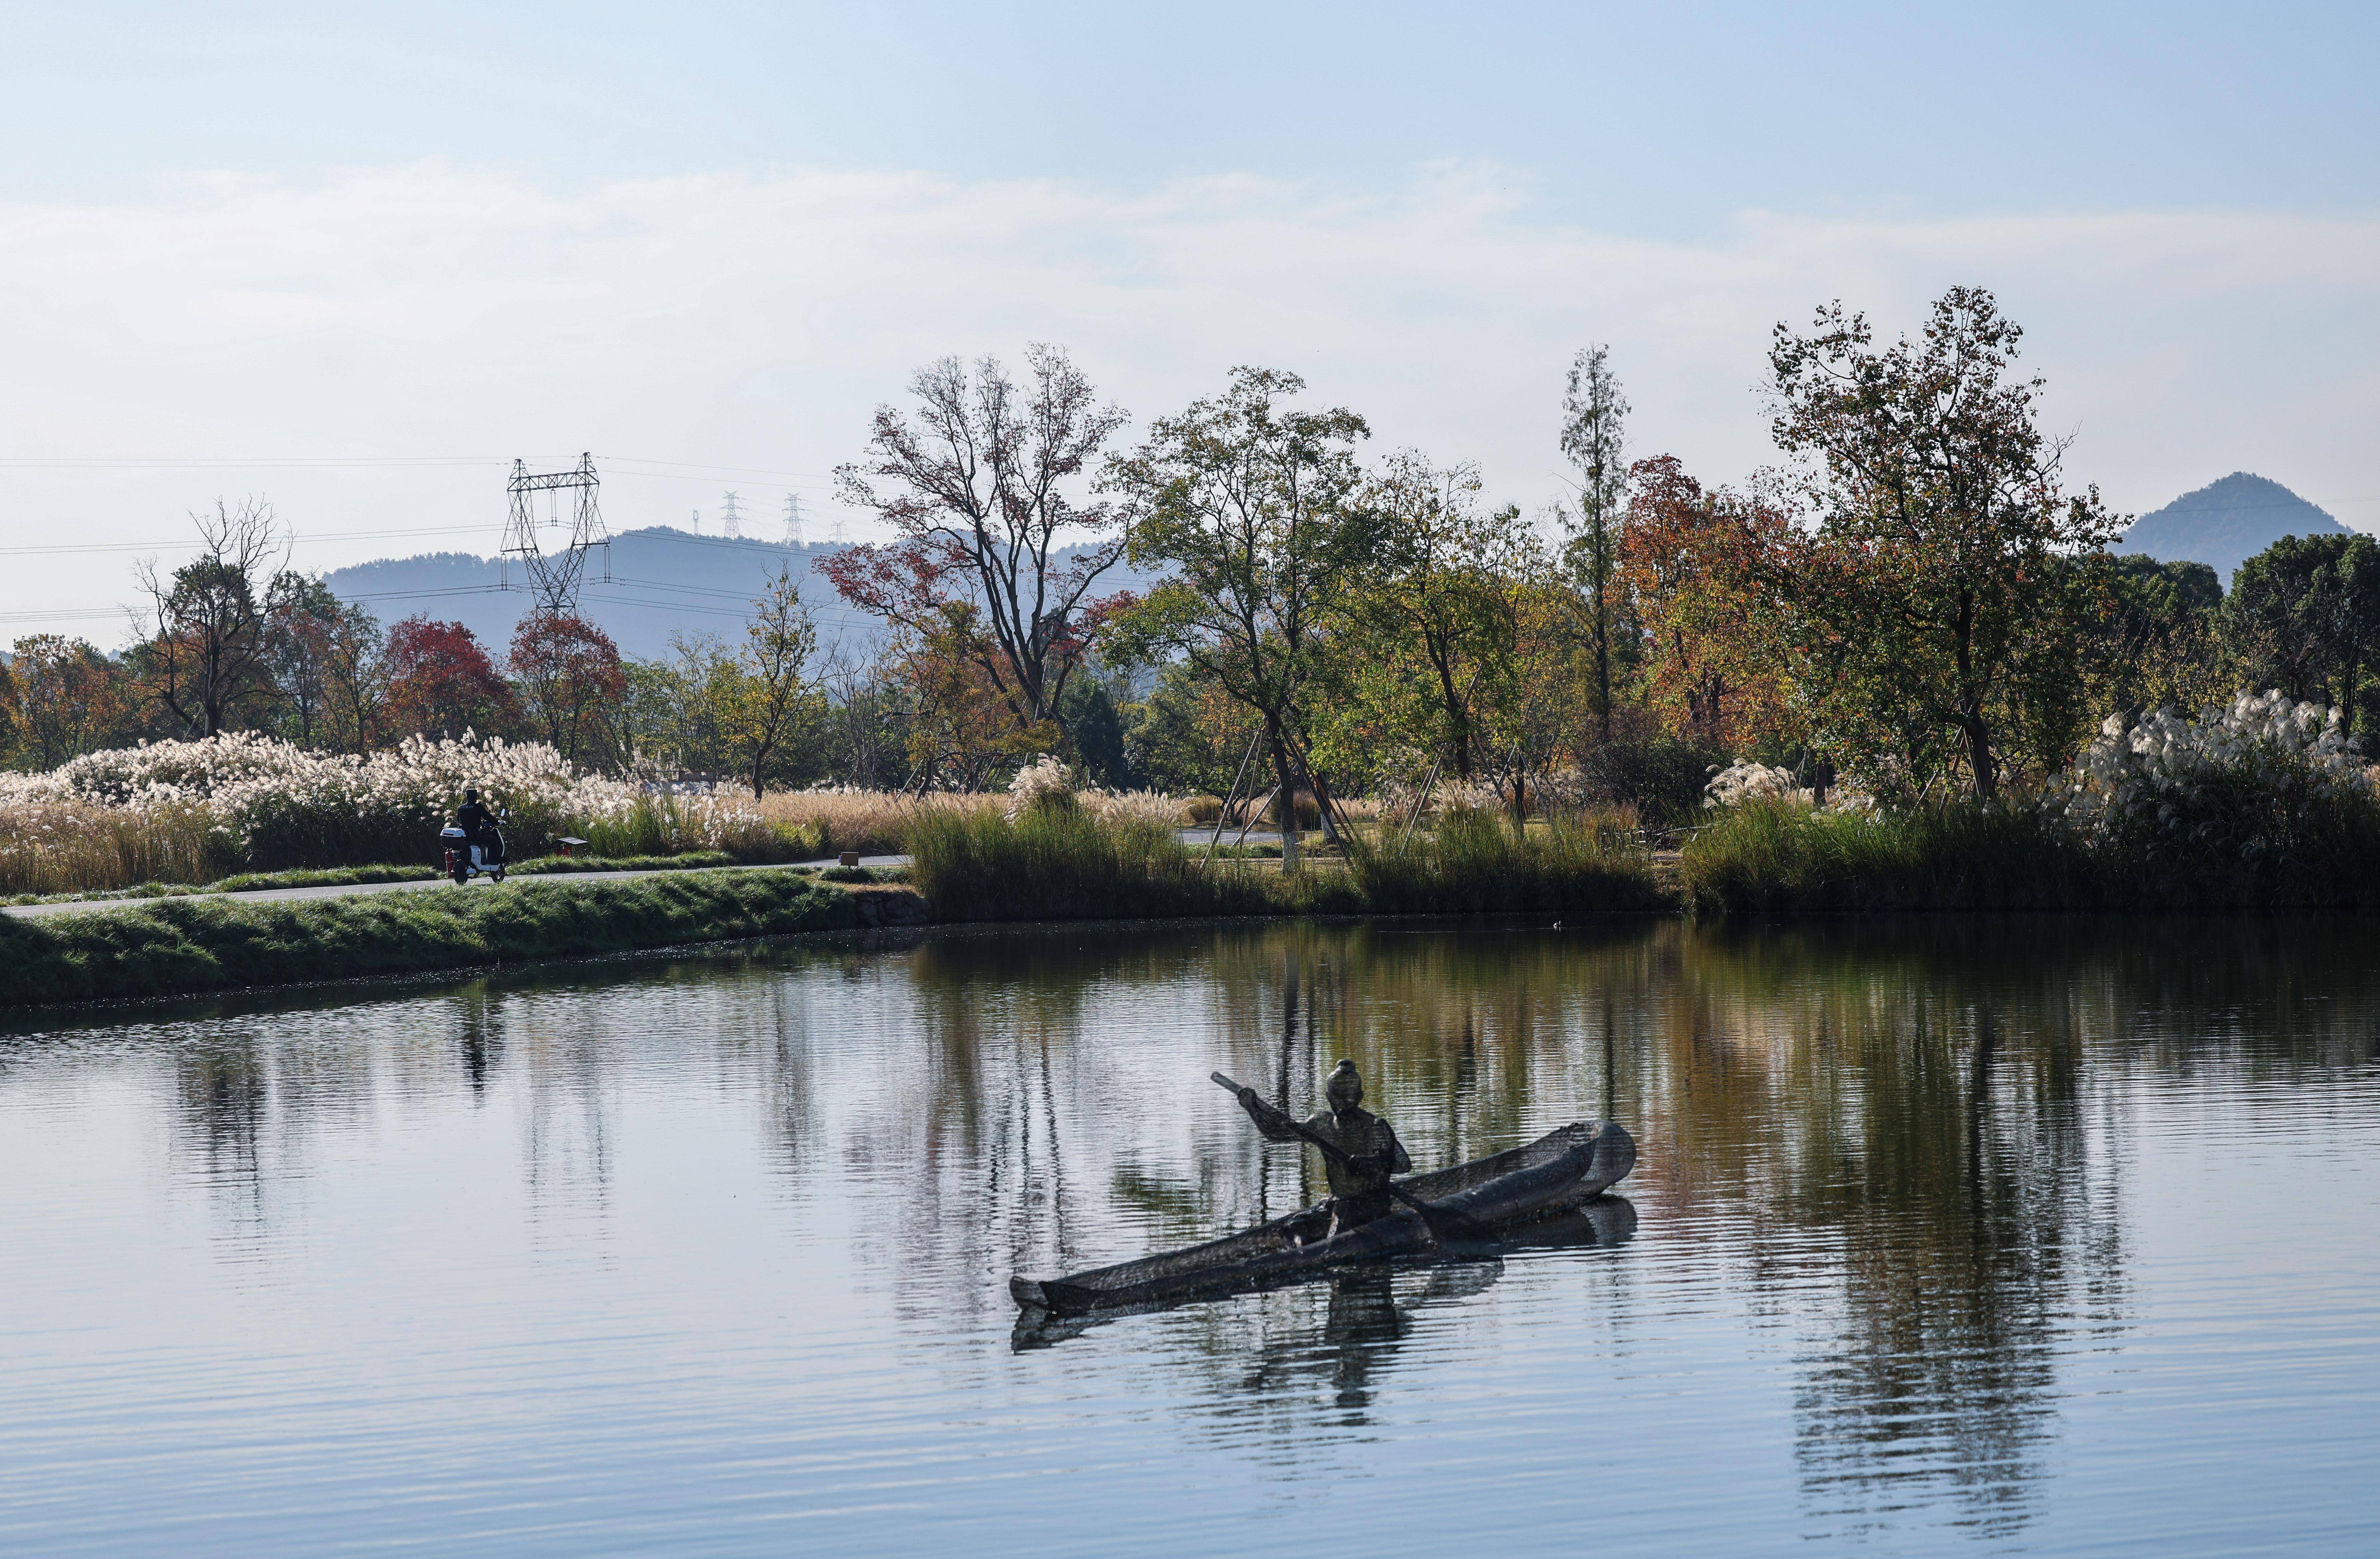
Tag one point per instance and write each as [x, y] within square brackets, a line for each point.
[793, 520]
[733, 522]
[554, 578]
[697, 522]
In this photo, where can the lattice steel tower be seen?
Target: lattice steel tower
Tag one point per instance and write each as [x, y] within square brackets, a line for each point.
[734, 522]
[793, 520]
[555, 579]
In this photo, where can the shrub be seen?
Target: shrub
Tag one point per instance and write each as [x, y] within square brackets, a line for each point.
[2263, 800]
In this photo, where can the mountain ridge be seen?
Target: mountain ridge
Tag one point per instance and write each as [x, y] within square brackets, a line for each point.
[2227, 522]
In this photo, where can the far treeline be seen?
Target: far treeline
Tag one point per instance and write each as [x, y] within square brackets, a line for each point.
[1915, 601]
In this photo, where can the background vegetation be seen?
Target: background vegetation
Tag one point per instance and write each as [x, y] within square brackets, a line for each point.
[1917, 608]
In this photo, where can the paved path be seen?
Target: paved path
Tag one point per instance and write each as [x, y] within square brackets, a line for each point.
[267, 896]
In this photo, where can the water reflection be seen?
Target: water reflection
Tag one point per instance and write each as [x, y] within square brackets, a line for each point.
[1902, 1145]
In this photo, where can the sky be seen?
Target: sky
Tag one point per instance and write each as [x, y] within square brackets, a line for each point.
[354, 263]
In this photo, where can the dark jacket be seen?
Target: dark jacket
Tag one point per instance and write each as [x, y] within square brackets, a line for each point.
[477, 824]
[1358, 1133]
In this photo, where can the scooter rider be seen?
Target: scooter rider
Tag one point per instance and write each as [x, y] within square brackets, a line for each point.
[479, 826]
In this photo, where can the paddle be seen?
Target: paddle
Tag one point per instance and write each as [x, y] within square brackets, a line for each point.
[1444, 1223]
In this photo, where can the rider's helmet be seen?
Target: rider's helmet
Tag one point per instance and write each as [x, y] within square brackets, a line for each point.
[470, 793]
[1343, 1087]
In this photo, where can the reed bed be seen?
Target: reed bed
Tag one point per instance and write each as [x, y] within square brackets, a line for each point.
[53, 846]
[187, 812]
[1478, 861]
[1776, 856]
[871, 821]
[1061, 860]
[1772, 854]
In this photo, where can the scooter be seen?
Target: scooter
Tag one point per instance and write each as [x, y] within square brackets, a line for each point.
[465, 861]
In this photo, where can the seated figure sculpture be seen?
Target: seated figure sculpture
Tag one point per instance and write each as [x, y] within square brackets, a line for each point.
[1356, 1193]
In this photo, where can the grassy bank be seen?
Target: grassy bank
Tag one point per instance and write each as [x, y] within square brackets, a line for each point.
[360, 876]
[1059, 862]
[189, 945]
[1774, 857]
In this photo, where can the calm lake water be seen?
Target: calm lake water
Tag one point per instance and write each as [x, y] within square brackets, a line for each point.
[1952, 1236]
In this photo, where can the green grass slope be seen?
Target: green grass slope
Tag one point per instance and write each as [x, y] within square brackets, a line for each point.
[175, 946]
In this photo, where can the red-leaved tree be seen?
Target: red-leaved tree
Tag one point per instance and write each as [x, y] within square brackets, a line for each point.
[570, 681]
[979, 489]
[440, 683]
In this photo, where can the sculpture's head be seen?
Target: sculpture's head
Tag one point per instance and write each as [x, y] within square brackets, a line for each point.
[1344, 1088]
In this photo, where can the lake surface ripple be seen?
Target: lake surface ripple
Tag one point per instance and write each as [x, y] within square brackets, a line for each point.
[1957, 1236]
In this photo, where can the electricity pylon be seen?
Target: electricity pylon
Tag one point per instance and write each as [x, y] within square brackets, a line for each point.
[554, 578]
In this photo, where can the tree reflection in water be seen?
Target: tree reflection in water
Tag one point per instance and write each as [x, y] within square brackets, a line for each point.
[1900, 1133]
[1901, 1138]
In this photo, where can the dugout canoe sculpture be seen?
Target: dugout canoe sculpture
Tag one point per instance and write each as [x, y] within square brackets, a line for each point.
[1504, 1192]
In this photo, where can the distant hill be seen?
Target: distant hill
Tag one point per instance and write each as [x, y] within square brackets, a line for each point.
[663, 580]
[2227, 522]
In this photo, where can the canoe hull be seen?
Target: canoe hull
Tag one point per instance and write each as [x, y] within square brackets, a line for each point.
[1559, 1170]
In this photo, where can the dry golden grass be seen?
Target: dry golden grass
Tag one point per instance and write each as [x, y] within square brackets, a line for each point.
[872, 821]
[65, 847]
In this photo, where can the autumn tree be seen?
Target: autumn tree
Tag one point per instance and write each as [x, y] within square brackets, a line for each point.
[1933, 612]
[207, 656]
[1251, 501]
[1689, 560]
[441, 684]
[1594, 420]
[69, 698]
[355, 678]
[981, 487]
[961, 724]
[570, 682]
[301, 617]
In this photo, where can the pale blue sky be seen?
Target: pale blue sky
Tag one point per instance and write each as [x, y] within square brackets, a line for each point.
[1655, 120]
[718, 235]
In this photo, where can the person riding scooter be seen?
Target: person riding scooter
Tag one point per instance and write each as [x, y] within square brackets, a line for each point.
[482, 842]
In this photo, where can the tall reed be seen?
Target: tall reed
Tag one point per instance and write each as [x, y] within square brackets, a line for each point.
[1478, 862]
[1777, 855]
[67, 847]
[1058, 860]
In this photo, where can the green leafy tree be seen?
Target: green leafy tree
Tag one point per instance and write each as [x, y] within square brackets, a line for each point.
[1594, 415]
[207, 657]
[2304, 616]
[1250, 502]
[2158, 637]
[1933, 612]
[355, 674]
[301, 618]
[1435, 617]
[769, 691]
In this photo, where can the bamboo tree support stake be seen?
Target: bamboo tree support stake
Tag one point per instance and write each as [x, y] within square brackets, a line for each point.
[1335, 825]
[1428, 788]
[1245, 759]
